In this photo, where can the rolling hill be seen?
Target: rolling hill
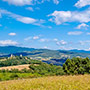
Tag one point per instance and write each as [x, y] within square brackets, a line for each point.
[57, 57]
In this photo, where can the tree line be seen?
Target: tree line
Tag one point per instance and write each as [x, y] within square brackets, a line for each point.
[71, 66]
[77, 66]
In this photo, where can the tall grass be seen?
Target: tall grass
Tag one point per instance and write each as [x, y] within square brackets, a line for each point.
[81, 82]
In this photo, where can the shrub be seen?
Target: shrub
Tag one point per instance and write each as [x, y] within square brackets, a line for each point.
[14, 76]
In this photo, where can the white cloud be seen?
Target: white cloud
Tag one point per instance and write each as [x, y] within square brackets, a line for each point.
[30, 8]
[82, 3]
[75, 33]
[19, 2]
[28, 2]
[45, 47]
[12, 34]
[56, 1]
[88, 33]
[32, 38]
[60, 17]
[62, 42]
[26, 20]
[8, 42]
[42, 1]
[82, 25]
[0, 25]
[35, 37]
[55, 39]
[44, 40]
[84, 42]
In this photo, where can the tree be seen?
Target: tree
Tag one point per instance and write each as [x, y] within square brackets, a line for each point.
[77, 66]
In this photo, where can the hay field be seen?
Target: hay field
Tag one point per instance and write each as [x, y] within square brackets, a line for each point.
[19, 67]
[81, 82]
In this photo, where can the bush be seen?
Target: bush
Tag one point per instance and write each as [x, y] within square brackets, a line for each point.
[14, 76]
[47, 69]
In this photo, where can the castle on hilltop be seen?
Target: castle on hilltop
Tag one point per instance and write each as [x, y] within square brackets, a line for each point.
[13, 56]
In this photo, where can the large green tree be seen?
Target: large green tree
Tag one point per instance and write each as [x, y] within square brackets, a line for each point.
[77, 66]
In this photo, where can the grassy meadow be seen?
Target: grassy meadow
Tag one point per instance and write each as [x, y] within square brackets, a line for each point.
[79, 82]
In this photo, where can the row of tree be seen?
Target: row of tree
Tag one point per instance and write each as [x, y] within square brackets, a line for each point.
[71, 66]
[42, 69]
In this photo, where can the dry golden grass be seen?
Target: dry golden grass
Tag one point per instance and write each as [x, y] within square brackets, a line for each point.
[49, 83]
[19, 67]
[3, 59]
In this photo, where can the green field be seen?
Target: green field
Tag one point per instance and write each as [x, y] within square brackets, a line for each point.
[80, 82]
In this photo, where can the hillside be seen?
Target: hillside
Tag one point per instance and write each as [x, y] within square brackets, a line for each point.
[19, 67]
[57, 57]
[13, 49]
[81, 82]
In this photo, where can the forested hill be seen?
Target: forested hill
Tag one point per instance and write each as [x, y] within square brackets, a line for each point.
[46, 55]
[13, 49]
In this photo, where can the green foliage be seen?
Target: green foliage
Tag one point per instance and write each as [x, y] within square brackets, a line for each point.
[14, 75]
[47, 69]
[77, 66]
[37, 68]
[18, 61]
[10, 76]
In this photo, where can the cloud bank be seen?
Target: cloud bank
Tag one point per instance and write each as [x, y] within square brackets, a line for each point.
[23, 19]
[60, 17]
[28, 2]
[8, 42]
[82, 3]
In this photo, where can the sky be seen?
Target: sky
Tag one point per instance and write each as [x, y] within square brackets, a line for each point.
[49, 24]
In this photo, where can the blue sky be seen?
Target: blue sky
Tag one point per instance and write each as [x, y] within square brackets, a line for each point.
[51, 24]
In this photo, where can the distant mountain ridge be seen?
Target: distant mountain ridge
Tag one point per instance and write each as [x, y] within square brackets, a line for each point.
[79, 51]
[13, 49]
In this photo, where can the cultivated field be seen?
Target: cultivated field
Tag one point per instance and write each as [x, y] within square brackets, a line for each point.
[19, 67]
[81, 82]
